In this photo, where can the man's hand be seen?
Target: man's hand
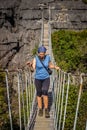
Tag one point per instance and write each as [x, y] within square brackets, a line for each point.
[57, 67]
[29, 63]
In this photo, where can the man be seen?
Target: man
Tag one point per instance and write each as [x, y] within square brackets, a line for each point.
[42, 78]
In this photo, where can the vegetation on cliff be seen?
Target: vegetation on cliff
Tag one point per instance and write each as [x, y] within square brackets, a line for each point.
[70, 50]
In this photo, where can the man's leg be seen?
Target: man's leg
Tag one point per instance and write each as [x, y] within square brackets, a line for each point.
[39, 96]
[45, 99]
[45, 88]
[39, 101]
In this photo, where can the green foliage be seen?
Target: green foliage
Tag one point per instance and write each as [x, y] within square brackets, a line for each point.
[34, 51]
[4, 119]
[4, 115]
[70, 49]
[4, 112]
[81, 123]
[31, 90]
[71, 108]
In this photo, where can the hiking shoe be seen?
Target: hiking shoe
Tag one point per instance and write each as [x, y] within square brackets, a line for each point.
[47, 115]
[40, 112]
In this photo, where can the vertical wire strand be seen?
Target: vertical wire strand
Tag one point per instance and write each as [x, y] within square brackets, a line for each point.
[22, 89]
[8, 96]
[29, 91]
[78, 103]
[31, 95]
[62, 103]
[19, 100]
[27, 96]
[66, 101]
[57, 99]
[60, 91]
[33, 110]
[28, 86]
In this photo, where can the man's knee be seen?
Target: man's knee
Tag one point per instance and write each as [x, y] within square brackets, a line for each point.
[45, 92]
[39, 93]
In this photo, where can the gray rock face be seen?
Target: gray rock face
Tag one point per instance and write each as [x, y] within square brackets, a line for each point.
[20, 25]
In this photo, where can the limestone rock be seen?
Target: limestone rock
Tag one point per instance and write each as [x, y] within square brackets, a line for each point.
[20, 25]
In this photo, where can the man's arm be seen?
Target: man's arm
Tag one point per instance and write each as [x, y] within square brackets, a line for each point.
[32, 64]
[52, 66]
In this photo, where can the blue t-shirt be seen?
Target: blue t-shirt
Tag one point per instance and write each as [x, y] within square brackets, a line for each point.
[41, 72]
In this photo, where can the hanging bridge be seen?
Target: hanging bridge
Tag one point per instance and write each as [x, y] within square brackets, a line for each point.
[24, 103]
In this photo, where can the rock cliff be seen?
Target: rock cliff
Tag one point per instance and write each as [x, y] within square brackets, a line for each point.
[20, 25]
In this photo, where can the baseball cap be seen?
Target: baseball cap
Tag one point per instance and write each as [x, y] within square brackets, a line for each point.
[42, 49]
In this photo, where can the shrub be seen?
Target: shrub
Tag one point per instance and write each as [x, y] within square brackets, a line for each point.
[69, 48]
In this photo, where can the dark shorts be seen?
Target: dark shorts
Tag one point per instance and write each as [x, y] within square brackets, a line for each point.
[42, 85]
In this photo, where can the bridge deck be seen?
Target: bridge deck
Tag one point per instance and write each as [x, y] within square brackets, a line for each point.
[42, 123]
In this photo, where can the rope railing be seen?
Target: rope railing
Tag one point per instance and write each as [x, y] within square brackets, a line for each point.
[8, 97]
[78, 102]
[61, 109]
[66, 102]
[27, 98]
[21, 100]
[62, 86]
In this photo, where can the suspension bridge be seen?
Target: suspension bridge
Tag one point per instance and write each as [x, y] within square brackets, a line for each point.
[22, 80]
